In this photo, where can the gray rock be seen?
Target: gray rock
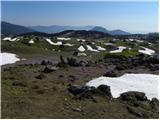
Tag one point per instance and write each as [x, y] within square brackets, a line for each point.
[133, 95]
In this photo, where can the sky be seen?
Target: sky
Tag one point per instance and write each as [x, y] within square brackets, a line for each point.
[135, 17]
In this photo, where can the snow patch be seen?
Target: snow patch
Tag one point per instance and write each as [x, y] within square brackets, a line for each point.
[146, 51]
[120, 49]
[108, 44]
[91, 49]
[147, 83]
[31, 41]
[81, 49]
[52, 43]
[9, 39]
[68, 44]
[101, 48]
[82, 54]
[59, 38]
[8, 58]
[83, 40]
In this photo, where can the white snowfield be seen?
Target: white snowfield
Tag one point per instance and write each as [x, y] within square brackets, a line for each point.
[147, 83]
[59, 38]
[81, 49]
[68, 44]
[120, 49]
[146, 51]
[8, 58]
[101, 48]
[91, 49]
[52, 43]
[31, 41]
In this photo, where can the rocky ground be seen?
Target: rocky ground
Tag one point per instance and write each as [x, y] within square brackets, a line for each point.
[56, 88]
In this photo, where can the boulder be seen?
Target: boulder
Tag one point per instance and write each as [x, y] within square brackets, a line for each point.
[75, 89]
[133, 95]
[82, 92]
[106, 90]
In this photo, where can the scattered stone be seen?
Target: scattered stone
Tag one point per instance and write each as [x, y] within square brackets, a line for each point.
[72, 78]
[62, 62]
[35, 87]
[72, 61]
[19, 83]
[110, 73]
[83, 63]
[50, 68]
[41, 91]
[44, 62]
[77, 109]
[61, 76]
[135, 111]
[40, 76]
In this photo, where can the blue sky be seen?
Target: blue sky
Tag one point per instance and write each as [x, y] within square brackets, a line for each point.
[132, 16]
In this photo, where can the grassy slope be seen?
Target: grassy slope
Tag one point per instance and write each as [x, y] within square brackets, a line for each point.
[48, 98]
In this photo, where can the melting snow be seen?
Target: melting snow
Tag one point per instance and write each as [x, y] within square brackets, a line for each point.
[108, 44]
[81, 40]
[81, 48]
[31, 41]
[52, 43]
[100, 48]
[91, 49]
[8, 58]
[120, 49]
[9, 39]
[82, 54]
[146, 51]
[139, 41]
[147, 83]
[68, 44]
[58, 38]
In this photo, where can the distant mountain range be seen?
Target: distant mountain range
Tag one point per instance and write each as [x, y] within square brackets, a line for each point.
[82, 34]
[57, 28]
[113, 32]
[12, 29]
[8, 28]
